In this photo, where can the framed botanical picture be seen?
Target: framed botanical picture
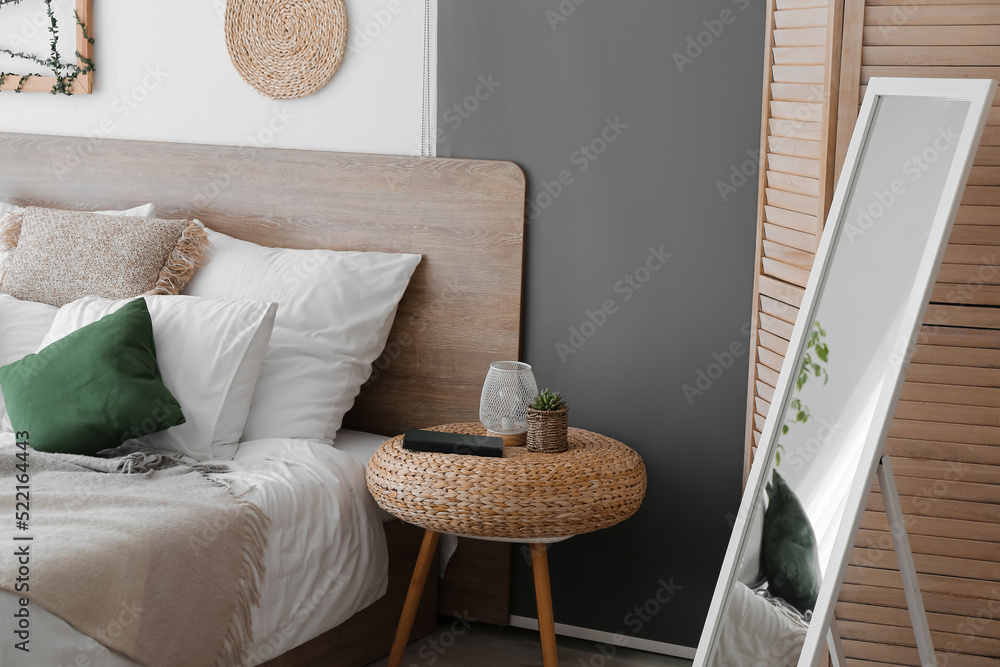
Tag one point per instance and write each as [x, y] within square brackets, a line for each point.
[46, 46]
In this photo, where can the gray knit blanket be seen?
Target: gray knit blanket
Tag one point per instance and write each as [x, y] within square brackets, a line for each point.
[152, 558]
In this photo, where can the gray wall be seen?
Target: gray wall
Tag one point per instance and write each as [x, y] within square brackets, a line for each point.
[676, 118]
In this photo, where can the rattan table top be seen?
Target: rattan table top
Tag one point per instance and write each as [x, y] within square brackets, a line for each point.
[523, 496]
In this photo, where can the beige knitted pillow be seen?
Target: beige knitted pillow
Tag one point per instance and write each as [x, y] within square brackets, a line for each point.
[60, 256]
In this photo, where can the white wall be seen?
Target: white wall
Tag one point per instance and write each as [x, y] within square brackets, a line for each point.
[163, 73]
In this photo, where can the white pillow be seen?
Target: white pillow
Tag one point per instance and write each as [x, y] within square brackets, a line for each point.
[755, 633]
[209, 352]
[336, 309]
[23, 325]
[144, 211]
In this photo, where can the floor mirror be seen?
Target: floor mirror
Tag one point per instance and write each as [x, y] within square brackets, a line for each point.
[822, 444]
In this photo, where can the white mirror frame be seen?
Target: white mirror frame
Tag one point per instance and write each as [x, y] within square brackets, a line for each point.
[979, 93]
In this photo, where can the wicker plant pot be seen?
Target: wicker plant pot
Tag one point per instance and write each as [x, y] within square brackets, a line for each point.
[547, 430]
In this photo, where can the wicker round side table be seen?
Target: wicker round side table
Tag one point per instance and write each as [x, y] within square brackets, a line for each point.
[522, 497]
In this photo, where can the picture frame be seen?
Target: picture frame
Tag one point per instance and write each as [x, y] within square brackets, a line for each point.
[82, 84]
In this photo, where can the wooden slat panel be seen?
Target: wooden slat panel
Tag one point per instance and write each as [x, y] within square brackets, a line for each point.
[801, 185]
[799, 55]
[854, 611]
[980, 215]
[968, 433]
[936, 527]
[892, 596]
[984, 175]
[959, 375]
[963, 316]
[770, 359]
[932, 35]
[796, 92]
[929, 71]
[984, 295]
[794, 129]
[931, 584]
[901, 639]
[968, 274]
[793, 165]
[931, 55]
[782, 5]
[903, 636]
[801, 18]
[778, 309]
[979, 255]
[932, 15]
[765, 390]
[903, 4]
[803, 222]
[800, 36]
[991, 137]
[947, 471]
[957, 337]
[791, 201]
[949, 414]
[767, 375]
[797, 73]
[776, 289]
[987, 155]
[794, 147]
[762, 406]
[775, 326]
[774, 343]
[786, 272]
[788, 255]
[974, 234]
[954, 452]
[933, 546]
[980, 195]
[957, 356]
[791, 238]
[950, 395]
[951, 489]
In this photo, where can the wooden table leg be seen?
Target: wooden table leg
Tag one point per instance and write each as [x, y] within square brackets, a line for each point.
[543, 598]
[420, 571]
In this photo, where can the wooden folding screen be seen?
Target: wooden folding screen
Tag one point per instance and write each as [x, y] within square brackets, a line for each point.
[945, 438]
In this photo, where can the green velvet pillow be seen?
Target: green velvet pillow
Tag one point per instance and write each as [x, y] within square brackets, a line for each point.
[788, 555]
[92, 389]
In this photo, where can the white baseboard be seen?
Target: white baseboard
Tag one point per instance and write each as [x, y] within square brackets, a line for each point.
[663, 648]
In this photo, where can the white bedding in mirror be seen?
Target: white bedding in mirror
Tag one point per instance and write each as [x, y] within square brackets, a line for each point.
[326, 557]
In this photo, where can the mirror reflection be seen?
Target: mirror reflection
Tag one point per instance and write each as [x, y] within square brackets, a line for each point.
[851, 351]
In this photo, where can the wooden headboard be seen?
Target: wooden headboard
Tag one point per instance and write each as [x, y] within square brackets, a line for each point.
[466, 217]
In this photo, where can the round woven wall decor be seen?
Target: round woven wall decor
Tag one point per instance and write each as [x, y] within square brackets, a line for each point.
[286, 48]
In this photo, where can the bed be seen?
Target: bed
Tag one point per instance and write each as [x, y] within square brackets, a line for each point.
[460, 312]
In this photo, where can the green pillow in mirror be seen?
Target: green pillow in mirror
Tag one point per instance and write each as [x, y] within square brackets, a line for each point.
[788, 555]
[90, 390]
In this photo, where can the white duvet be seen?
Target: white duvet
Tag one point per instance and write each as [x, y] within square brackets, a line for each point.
[326, 557]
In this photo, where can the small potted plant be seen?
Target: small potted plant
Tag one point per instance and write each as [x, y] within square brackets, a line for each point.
[548, 423]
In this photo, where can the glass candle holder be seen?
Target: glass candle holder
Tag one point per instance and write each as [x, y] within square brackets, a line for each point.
[503, 408]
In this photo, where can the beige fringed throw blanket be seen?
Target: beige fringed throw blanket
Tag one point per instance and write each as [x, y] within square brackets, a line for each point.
[150, 557]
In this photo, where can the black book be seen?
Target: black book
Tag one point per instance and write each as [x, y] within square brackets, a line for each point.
[417, 440]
